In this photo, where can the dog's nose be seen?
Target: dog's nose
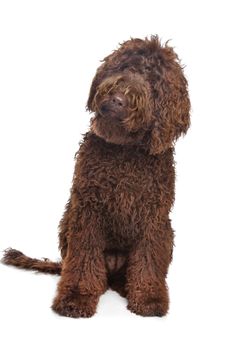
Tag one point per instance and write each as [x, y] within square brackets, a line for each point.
[118, 100]
[114, 104]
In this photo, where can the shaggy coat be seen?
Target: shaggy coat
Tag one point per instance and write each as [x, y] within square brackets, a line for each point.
[115, 231]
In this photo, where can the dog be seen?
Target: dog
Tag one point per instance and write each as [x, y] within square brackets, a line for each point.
[115, 231]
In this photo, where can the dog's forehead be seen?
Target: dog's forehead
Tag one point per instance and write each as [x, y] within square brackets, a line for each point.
[136, 55]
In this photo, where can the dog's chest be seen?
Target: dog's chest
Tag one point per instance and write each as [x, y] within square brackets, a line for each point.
[125, 185]
[123, 181]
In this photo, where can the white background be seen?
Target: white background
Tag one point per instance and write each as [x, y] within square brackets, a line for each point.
[49, 51]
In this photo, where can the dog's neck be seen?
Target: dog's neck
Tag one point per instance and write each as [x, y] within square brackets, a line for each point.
[116, 134]
[143, 144]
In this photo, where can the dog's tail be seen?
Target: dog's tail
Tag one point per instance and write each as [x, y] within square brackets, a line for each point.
[16, 258]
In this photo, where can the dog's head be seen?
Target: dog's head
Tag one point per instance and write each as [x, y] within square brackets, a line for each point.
[139, 96]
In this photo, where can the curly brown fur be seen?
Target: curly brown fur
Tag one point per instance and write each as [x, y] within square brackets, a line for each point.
[116, 231]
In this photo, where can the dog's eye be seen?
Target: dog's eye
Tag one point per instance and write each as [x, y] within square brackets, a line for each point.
[148, 68]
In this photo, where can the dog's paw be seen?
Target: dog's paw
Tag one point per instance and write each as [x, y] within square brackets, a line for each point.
[75, 306]
[149, 306]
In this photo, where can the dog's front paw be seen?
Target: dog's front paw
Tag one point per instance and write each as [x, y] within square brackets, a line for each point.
[75, 306]
[149, 306]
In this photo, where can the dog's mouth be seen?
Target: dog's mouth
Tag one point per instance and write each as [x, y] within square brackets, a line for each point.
[110, 114]
[105, 110]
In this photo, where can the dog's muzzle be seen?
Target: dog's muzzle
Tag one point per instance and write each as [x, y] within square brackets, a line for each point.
[113, 105]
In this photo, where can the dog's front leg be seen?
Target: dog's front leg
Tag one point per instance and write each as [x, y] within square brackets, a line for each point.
[147, 269]
[83, 277]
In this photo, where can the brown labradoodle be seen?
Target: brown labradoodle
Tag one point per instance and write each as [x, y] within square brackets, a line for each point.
[115, 231]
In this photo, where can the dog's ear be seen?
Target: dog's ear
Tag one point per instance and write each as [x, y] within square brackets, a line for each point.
[171, 101]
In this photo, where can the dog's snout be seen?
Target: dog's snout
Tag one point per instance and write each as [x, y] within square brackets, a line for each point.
[114, 104]
[118, 100]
